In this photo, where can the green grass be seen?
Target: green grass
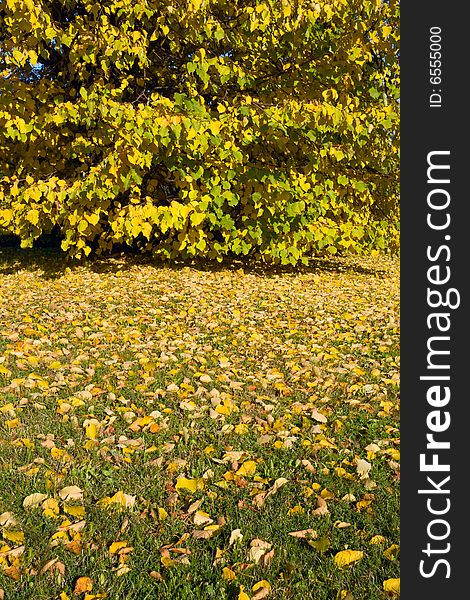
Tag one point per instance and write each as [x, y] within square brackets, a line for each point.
[105, 340]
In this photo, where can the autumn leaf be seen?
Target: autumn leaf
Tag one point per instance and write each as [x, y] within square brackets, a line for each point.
[392, 552]
[242, 595]
[261, 589]
[82, 585]
[8, 520]
[17, 537]
[247, 469]
[34, 500]
[322, 507]
[235, 536]
[119, 500]
[363, 468]
[392, 585]
[347, 557]
[304, 534]
[71, 492]
[115, 546]
[189, 485]
[228, 574]
[258, 548]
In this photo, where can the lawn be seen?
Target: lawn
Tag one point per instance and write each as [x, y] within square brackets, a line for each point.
[191, 432]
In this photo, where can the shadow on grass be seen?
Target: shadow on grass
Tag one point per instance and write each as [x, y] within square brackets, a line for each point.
[52, 263]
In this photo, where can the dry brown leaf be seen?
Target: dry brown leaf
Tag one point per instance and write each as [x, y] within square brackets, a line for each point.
[257, 549]
[71, 492]
[304, 533]
[33, 500]
[308, 465]
[235, 536]
[7, 520]
[267, 558]
[318, 416]
[322, 507]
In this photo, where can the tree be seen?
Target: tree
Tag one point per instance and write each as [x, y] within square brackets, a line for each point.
[201, 127]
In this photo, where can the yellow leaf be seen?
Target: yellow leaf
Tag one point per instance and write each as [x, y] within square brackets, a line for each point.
[392, 585]
[242, 595]
[392, 552]
[50, 507]
[262, 589]
[190, 485]
[228, 574]
[91, 428]
[17, 537]
[120, 498]
[215, 127]
[82, 585]
[115, 546]
[162, 514]
[93, 218]
[167, 561]
[247, 469]
[75, 511]
[346, 557]
[377, 539]
[241, 428]
[386, 31]
[33, 216]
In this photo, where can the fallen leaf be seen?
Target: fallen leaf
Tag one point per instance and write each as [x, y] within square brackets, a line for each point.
[228, 574]
[122, 570]
[115, 546]
[71, 492]
[17, 537]
[304, 534]
[201, 518]
[261, 589]
[190, 485]
[33, 500]
[267, 558]
[341, 524]
[347, 557]
[392, 585]
[8, 520]
[363, 467]
[235, 536]
[318, 416]
[377, 539]
[82, 585]
[392, 552]
[242, 595]
[257, 549]
[322, 507]
[247, 469]
[320, 545]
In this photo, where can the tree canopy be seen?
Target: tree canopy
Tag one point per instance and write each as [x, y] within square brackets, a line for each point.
[201, 127]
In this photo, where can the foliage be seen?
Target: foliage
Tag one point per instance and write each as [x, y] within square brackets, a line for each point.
[201, 127]
[187, 434]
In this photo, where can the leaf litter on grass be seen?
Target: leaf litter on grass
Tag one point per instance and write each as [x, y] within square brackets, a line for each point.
[211, 409]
